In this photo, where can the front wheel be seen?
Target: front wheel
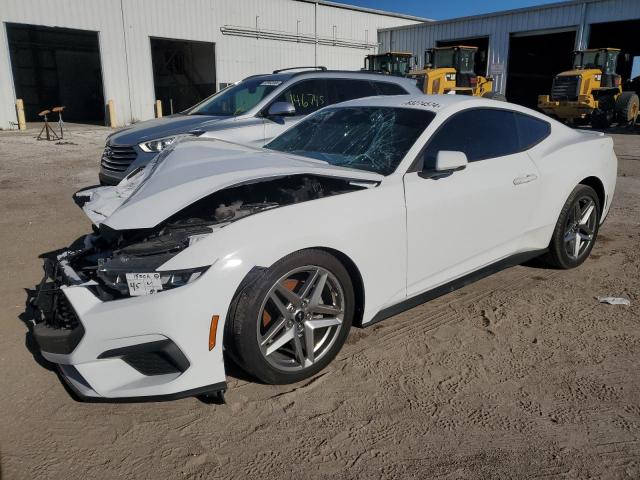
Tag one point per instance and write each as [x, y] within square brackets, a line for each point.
[576, 229]
[291, 320]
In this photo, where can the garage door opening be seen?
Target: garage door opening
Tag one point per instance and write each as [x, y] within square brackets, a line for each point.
[534, 60]
[481, 56]
[184, 72]
[57, 67]
[622, 35]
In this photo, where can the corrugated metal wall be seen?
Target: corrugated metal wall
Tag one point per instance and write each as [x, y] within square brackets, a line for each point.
[498, 27]
[127, 72]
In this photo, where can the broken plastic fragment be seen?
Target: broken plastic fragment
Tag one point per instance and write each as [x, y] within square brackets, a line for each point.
[614, 300]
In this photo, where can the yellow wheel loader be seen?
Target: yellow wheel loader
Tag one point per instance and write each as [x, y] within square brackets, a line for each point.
[591, 92]
[451, 70]
[391, 63]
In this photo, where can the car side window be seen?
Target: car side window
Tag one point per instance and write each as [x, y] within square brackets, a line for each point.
[306, 96]
[480, 133]
[341, 90]
[531, 131]
[386, 88]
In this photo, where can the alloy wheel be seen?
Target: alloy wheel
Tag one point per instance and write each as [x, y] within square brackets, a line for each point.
[580, 227]
[300, 318]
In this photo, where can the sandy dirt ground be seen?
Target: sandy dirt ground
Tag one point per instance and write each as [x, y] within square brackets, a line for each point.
[520, 375]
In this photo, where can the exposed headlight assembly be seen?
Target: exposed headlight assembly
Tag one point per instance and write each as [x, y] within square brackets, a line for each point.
[133, 270]
[138, 281]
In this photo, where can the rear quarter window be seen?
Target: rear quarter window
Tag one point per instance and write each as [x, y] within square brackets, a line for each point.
[531, 131]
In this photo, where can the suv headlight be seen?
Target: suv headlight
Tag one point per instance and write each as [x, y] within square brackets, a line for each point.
[159, 144]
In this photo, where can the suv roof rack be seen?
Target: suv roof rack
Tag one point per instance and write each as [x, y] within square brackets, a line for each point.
[321, 68]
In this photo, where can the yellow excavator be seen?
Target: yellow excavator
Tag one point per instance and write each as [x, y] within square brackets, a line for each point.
[451, 70]
[591, 91]
[390, 63]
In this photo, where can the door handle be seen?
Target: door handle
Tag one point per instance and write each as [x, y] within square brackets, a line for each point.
[525, 179]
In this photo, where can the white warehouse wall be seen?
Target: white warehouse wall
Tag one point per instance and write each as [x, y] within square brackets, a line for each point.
[125, 26]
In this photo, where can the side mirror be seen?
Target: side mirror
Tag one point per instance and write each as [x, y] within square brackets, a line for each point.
[448, 161]
[281, 109]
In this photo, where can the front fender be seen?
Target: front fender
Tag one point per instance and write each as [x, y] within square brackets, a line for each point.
[368, 226]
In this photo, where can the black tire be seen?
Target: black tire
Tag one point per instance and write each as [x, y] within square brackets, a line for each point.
[627, 106]
[241, 330]
[495, 96]
[603, 116]
[557, 256]
[600, 120]
[579, 122]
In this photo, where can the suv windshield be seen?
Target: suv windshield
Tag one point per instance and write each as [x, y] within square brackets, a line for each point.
[366, 138]
[236, 99]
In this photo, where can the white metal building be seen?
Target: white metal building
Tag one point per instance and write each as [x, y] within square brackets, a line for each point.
[84, 53]
[525, 48]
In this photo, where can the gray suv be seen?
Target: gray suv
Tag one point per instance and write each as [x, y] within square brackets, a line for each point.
[250, 112]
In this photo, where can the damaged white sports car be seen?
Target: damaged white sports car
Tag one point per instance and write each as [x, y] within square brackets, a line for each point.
[271, 255]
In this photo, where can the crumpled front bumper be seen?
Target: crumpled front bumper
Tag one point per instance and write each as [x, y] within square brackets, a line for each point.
[150, 347]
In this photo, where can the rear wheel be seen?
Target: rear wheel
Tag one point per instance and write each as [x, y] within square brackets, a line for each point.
[292, 321]
[603, 116]
[576, 229]
[627, 106]
[495, 96]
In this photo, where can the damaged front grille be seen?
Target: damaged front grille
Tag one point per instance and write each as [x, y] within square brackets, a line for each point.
[58, 328]
[51, 302]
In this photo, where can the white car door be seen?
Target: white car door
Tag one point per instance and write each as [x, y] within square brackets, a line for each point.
[306, 96]
[246, 131]
[275, 126]
[464, 220]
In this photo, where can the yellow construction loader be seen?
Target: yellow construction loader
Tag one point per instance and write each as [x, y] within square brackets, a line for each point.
[591, 92]
[451, 70]
[390, 63]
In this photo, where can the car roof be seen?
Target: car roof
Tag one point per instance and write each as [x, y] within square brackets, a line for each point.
[437, 103]
[354, 74]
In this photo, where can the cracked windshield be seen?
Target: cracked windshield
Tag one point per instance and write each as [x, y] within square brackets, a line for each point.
[365, 138]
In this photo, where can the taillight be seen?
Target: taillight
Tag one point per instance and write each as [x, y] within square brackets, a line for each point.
[473, 80]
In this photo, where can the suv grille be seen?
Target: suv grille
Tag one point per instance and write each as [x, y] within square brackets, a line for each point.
[565, 88]
[117, 158]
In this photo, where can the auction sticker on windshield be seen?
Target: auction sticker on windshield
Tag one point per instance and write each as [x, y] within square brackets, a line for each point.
[143, 283]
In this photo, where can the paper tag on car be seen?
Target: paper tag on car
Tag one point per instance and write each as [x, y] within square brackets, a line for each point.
[143, 283]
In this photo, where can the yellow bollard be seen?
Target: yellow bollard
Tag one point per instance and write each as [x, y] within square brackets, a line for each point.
[158, 108]
[22, 124]
[111, 114]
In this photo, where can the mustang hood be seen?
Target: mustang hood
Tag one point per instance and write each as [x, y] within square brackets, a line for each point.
[193, 169]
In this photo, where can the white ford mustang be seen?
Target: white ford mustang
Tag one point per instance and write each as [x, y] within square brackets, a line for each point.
[271, 255]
